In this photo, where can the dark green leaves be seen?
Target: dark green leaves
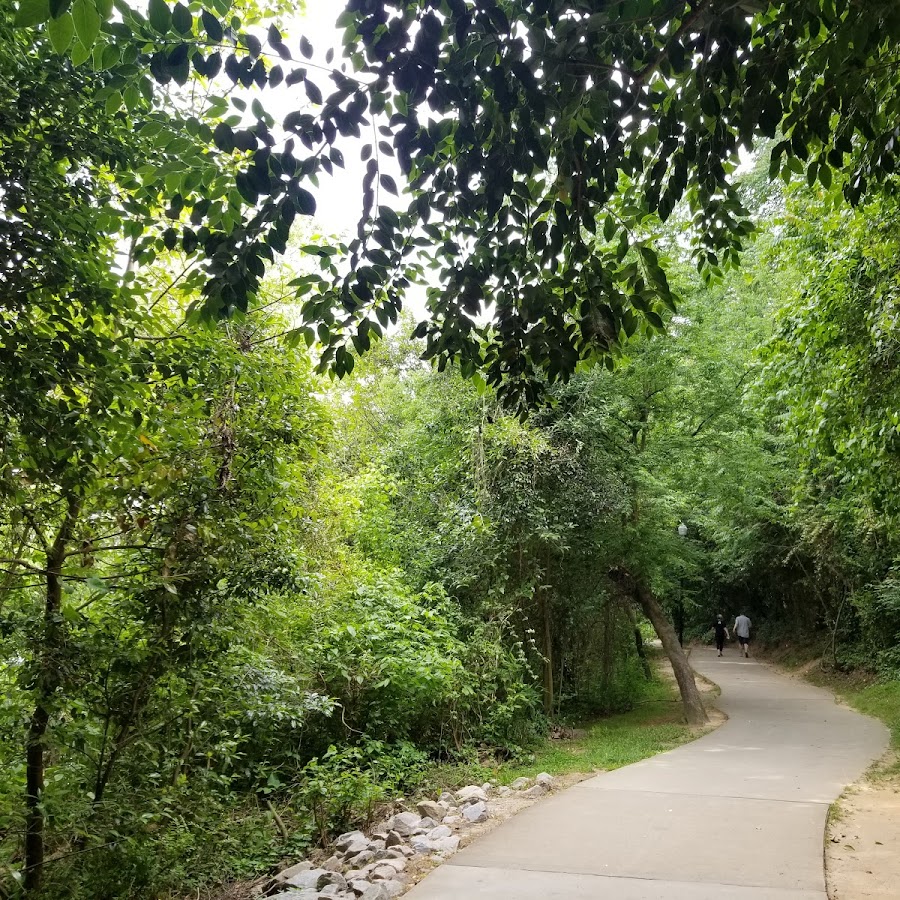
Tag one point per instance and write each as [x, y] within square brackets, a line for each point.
[212, 26]
[159, 15]
[182, 19]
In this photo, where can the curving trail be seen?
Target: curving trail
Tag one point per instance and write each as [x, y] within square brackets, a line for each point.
[737, 815]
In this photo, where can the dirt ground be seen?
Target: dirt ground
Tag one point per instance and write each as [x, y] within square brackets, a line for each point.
[861, 859]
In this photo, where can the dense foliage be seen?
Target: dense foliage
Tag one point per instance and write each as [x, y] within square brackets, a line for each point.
[240, 604]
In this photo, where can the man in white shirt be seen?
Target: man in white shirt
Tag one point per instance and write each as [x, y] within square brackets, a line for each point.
[742, 626]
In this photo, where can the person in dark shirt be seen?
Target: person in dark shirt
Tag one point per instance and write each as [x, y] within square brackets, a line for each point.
[721, 634]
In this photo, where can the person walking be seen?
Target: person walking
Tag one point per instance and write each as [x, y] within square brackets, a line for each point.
[742, 626]
[721, 633]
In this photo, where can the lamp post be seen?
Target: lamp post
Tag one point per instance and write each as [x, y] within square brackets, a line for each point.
[679, 610]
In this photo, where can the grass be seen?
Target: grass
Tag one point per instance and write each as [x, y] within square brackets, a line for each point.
[599, 743]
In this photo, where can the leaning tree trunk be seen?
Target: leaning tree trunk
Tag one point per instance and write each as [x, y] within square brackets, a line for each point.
[684, 674]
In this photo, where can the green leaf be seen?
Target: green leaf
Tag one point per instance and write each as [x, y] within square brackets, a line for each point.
[212, 26]
[32, 12]
[132, 98]
[61, 32]
[80, 54]
[113, 103]
[182, 19]
[87, 22]
[159, 15]
[105, 8]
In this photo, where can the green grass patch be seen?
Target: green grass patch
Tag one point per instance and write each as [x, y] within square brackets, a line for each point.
[654, 726]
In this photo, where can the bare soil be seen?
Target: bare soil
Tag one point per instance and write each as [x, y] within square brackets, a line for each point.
[861, 859]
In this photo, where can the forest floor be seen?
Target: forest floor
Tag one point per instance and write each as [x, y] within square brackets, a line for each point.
[864, 824]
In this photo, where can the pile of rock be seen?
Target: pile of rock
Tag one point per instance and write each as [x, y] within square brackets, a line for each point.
[373, 867]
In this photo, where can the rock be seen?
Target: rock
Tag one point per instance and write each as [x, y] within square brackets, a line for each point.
[354, 849]
[534, 792]
[376, 892]
[384, 873]
[364, 858]
[303, 866]
[448, 844]
[470, 793]
[487, 787]
[310, 878]
[404, 823]
[422, 845]
[306, 894]
[436, 834]
[359, 886]
[407, 851]
[428, 809]
[475, 812]
[398, 865]
[504, 791]
[334, 864]
[545, 779]
[350, 837]
[427, 824]
[446, 797]
[335, 880]
[394, 887]
[393, 839]
[451, 820]
[520, 784]
[377, 844]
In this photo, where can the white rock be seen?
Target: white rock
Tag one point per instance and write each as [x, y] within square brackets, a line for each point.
[446, 797]
[428, 823]
[359, 886]
[448, 844]
[487, 787]
[429, 809]
[475, 812]
[393, 839]
[404, 823]
[354, 848]
[520, 784]
[384, 873]
[376, 892]
[545, 779]
[472, 792]
[534, 792]
[451, 820]
[398, 865]
[394, 888]
[436, 834]
[296, 869]
[348, 838]
[311, 878]
[334, 864]
[504, 791]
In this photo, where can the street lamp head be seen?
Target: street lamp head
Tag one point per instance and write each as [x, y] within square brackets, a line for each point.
[682, 529]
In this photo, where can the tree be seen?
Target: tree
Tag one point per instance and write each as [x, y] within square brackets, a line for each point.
[539, 140]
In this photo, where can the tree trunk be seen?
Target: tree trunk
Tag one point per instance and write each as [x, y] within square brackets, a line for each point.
[548, 656]
[638, 641]
[48, 682]
[684, 674]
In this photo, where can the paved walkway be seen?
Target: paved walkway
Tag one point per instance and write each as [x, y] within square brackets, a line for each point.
[737, 815]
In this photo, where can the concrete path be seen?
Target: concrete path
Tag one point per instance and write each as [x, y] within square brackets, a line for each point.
[737, 815]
